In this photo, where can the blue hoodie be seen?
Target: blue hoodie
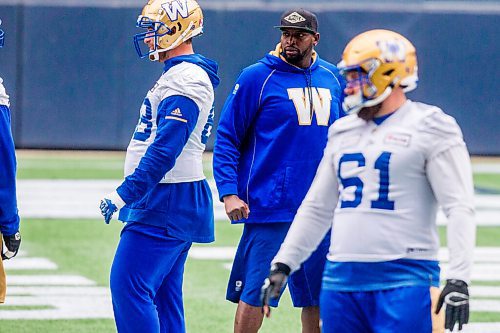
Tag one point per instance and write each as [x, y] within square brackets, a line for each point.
[269, 140]
[184, 208]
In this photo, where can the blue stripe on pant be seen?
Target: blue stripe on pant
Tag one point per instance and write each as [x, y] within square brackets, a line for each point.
[146, 280]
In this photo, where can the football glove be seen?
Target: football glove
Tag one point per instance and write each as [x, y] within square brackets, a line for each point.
[456, 297]
[273, 285]
[12, 244]
[108, 208]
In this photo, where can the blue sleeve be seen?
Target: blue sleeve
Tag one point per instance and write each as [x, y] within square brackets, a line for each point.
[9, 218]
[172, 134]
[236, 117]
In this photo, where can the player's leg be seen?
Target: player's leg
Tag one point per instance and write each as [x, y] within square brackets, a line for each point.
[258, 246]
[248, 318]
[168, 298]
[342, 312]
[143, 258]
[405, 309]
[310, 319]
[305, 286]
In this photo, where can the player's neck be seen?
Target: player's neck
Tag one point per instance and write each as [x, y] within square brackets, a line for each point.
[393, 102]
[183, 49]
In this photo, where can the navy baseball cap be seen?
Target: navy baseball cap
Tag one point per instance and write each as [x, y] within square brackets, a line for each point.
[299, 19]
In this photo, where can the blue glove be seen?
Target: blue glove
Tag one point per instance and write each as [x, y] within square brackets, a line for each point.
[108, 208]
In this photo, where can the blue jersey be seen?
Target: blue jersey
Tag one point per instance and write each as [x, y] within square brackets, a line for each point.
[272, 132]
[165, 185]
[9, 218]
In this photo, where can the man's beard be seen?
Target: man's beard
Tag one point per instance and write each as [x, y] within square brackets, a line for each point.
[297, 58]
[368, 113]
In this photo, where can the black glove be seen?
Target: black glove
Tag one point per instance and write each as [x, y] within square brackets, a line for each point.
[12, 244]
[456, 297]
[273, 285]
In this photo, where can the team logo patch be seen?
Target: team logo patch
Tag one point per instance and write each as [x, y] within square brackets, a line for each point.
[176, 115]
[350, 141]
[177, 112]
[294, 18]
[398, 139]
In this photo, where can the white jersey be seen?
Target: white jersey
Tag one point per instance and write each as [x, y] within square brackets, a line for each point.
[189, 80]
[379, 187]
[4, 98]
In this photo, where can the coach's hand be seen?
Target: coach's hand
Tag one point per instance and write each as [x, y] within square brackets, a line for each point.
[456, 297]
[236, 209]
[273, 285]
[12, 244]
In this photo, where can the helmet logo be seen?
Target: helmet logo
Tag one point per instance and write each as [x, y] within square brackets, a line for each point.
[294, 18]
[392, 50]
[175, 8]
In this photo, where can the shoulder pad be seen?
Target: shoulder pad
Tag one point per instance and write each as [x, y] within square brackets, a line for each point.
[345, 123]
[438, 123]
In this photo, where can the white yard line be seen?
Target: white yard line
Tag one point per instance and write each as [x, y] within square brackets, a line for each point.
[80, 199]
[76, 297]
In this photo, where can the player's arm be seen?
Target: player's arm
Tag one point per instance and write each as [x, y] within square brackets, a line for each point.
[172, 134]
[236, 117]
[450, 175]
[9, 218]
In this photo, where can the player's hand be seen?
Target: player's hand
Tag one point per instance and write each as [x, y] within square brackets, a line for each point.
[456, 297]
[108, 208]
[11, 244]
[273, 285]
[236, 209]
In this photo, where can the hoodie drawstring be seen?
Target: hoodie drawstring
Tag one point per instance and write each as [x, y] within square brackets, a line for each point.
[308, 76]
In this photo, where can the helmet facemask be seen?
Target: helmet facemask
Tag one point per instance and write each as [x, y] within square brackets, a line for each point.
[359, 77]
[154, 29]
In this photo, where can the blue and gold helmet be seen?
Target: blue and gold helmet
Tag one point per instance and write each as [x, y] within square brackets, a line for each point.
[382, 60]
[170, 23]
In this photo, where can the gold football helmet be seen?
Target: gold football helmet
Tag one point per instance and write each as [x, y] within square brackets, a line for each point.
[382, 60]
[170, 23]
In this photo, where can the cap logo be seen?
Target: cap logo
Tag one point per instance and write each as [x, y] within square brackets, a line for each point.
[294, 18]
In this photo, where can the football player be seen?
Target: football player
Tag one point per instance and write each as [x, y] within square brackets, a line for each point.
[165, 199]
[270, 140]
[386, 168]
[10, 238]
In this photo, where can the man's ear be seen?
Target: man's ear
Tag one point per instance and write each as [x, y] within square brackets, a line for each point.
[316, 39]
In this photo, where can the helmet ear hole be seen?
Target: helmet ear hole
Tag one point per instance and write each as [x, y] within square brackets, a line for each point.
[389, 72]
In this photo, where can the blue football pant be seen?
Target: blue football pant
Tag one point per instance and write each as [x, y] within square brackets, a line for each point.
[146, 280]
[405, 309]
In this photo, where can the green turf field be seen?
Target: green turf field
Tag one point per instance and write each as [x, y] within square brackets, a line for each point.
[86, 247]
